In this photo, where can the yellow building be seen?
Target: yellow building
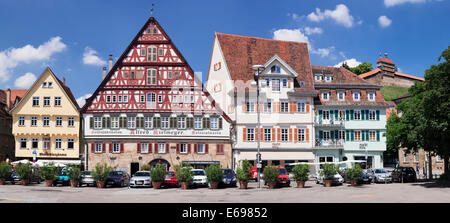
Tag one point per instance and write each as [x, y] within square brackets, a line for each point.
[46, 122]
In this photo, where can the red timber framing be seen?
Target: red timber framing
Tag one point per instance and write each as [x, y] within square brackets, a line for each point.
[148, 77]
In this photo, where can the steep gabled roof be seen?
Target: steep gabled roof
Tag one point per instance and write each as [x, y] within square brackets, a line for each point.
[242, 52]
[340, 75]
[16, 94]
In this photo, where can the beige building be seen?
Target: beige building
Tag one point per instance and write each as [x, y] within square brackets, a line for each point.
[46, 122]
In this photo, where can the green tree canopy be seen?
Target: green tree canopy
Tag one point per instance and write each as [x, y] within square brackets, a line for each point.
[360, 69]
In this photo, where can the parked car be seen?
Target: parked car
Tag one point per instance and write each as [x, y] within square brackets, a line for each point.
[408, 174]
[367, 177]
[62, 178]
[283, 178]
[170, 179]
[229, 178]
[199, 178]
[35, 176]
[118, 178]
[381, 175]
[87, 178]
[254, 173]
[337, 179]
[141, 179]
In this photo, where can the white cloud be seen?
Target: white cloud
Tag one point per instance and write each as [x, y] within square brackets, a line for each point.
[294, 16]
[390, 3]
[25, 81]
[350, 62]
[82, 100]
[90, 57]
[297, 36]
[13, 57]
[384, 21]
[315, 30]
[341, 15]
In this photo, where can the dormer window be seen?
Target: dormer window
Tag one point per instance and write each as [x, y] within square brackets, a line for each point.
[44, 84]
[371, 96]
[275, 69]
[318, 77]
[328, 78]
[341, 95]
[356, 95]
[325, 96]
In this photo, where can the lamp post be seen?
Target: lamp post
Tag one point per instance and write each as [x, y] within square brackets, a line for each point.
[258, 69]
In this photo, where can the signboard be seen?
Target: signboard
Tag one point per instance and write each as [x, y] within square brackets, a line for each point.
[157, 132]
[259, 165]
[363, 145]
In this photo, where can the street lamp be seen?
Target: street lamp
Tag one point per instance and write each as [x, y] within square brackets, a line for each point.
[258, 69]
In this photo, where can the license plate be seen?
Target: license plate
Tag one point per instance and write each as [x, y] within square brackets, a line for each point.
[139, 182]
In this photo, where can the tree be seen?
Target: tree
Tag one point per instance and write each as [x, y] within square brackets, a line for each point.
[360, 69]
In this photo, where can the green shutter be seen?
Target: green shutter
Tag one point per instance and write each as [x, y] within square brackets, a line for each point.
[347, 115]
[352, 114]
[332, 134]
[367, 114]
[347, 135]
[203, 123]
[320, 115]
[331, 114]
[352, 133]
[103, 122]
[378, 135]
[108, 122]
[91, 122]
[208, 123]
[378, 115]
[336, 114]
[320, 135]
[363, 138]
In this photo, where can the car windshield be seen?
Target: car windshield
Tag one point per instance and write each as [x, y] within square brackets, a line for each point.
[380, 171]
[283, 172]
[87, 173]
[227, 172]
[142, 174]
[199, 173]
[115, 174]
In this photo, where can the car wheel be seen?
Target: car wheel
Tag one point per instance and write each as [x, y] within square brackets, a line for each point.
[122, 184]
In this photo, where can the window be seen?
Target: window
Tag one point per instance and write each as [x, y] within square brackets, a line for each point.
[151, 76]
[341, 134]
[318, 77]
[326, 159]
[97, 122]
[116, 147]
[302, 83]
[416, 157]
[284, 82]
[357, 135]
[371, 96]
[406, 157]
[34, 143]
[46, 143]
[144, 147]
[21, 121]
[161, 148]
[50, 84]
[250, 106]
[160, 52]
[57, 101]
[301, 106]
[341, 114]
[181, 122]
[341, 96]
[35, 101]
[275, 84]
[23, 143]
[200, 148]
[131, 122]
[119, 98]
[46, 121]
[267, 134]
[267, 82]
[34, 121]
[70, 143]
[326, 115]
[164, 122]
[133, 75]
[284, 135]
[267, 106]
[197, 122]
[115, 122]
[44, 84]
[160, 98]
[372, 136]
[142, 98]
[284, 106]
[328, 78]
[250, 134]
[58, 143]
[275, 69]
[46, 101]
[356, 95]
[325, 96]
[326, 135]
[372, 115]
[169, 74]
[125, 98]
[151, 54]
[357, 114]
[114, 97]
[108, 99]
[214, 123]
[148, 121]
[59, 121]
[98, 147]
[301, 135]
[438, 158]
[183, 148]
[143, 51]
[71, 121]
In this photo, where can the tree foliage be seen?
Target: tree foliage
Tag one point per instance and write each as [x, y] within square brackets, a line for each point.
[360, 69]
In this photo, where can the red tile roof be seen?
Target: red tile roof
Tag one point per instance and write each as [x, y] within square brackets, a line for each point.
[15, 93]
[386, 60]
[340, 75]
[370, 73]
[242, 52]
[410, 76]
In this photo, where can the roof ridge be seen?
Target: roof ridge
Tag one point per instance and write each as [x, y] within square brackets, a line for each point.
[252, 37]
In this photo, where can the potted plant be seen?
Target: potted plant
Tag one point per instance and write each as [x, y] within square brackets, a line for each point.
[5, 172]
[74, 173]
[100, 174]
[301, 174]
[49, 171]
[328, 172]
[243, 174]
[214, 174]
[271, 176]
[184, 177]
[355, 173]
[157, 174]
[24, 172]
[146, 167]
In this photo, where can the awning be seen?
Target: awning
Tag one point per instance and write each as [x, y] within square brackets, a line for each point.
[277, 156]
[62, 163]
[202, 162]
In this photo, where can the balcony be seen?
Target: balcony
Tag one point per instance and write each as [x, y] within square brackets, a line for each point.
[329, 123]
[329, 144]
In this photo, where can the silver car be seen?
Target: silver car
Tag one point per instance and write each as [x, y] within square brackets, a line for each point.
[141, 179]
[87, 178]
[381, 175]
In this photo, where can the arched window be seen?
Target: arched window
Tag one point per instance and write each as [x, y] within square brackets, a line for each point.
[151, 56]
[151, 77]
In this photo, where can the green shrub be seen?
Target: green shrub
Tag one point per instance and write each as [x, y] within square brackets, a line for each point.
[301, 172]
[157, 173]
[101, 172]
[354, 173]
[5, 170]
[185, 174]
[271, 173]
[74, 172]
[214, 173]
[328, 170]
[49, 171]
[146, 167]
[24, 171]
[243, 173]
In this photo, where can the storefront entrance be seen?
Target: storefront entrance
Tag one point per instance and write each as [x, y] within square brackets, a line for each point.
[134, 167]
[367, 165]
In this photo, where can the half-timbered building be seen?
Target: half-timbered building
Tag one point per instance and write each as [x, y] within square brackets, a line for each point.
[151, 109]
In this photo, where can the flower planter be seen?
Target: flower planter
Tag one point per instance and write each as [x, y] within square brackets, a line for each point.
[354, 182]
[185, 185]
[243, 184]
[300, 184]
[48, 183]
[100, 184]
[327, 183]
[2, 181]
[213, 185]
[156, 185]
[74, 183]
[24, 182]
[272, 185]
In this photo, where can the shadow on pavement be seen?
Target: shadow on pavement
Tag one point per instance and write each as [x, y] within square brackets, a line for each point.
[436, 184]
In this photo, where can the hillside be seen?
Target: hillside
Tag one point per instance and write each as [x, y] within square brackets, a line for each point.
[392, 92]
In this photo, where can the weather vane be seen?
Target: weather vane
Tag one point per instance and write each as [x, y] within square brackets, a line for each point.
[151, 10]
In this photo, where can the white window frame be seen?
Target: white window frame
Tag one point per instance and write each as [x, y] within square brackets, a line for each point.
[23, 140]
[327, 116]
[46, 102]
[148, 122]
[267, 134]
[46, 143]
[358, 94]
[284, 106]
[201, 148]
[267, 107]
[276, 84]
[34, 120]
[181, 122]
[301, 106]
[250, 134]
[144, 147]
[372, 115]
[341, 93]
[21, 121]
[165, 122]
[115, 147]
[58, 143]
[161, 148]
[250, 106]
[183, 148]
[98, 147]
[114, 122]
[58, 121]
[358, 132]
[214, 123]
[301, 134]
[33, 141]
[152, 54]
[151, 76]
[71, 121]
[97, 122]
[325, 96]
[317, 77]
[198, 123]
[357, 115]
[57, 101]
[284, 135]
[131, 122]
[46, 121]
[70, 140]
[35, 101]
[372, 135]
[369, 94]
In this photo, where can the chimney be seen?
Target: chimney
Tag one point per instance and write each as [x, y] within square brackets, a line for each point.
[104, 72]
[64, 81]
[110, 62]
[8, 98]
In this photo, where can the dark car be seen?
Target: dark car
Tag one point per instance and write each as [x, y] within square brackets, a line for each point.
[229, 178]
[404, 174]
[118, 178]
[366, 177]
[34, 178]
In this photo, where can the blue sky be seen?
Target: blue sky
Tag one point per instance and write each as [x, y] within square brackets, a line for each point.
[75, 38]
